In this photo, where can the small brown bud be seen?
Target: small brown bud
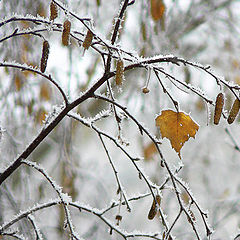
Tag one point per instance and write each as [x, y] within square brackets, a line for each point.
[145, 90]
[66, 32]
[118, 218]
[45, 53]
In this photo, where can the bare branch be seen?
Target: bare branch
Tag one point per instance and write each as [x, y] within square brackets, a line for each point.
[35, 70]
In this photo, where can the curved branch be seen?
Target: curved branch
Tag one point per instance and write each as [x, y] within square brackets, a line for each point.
[33, 19]
[59, 193]
[16, 33]
[34, 70]
[46, 130]
[24, 214]
[80, 207]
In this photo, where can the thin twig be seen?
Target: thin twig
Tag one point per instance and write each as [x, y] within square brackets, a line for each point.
[35, 227]
[35, 70]
[120, 188]
[60, 194]
[236, 146]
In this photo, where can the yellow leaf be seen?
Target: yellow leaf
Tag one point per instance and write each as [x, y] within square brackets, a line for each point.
[157, 9]
[178, 127]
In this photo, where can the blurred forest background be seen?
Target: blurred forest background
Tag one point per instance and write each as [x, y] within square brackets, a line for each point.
[94, 169]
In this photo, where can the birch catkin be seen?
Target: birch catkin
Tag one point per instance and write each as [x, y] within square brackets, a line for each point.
[66, 32]
[218, 108]
[53, 11]
[45, 53]
[234, 111]
[119, 72]
[88, 40]
[153, 211]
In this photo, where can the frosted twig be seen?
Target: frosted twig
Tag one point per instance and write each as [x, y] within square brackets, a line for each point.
[35, 227]
[120, 188]
[132, 159]
[175, 103]
[202, 213]
[122, 10]
[81, 207]
[28, 18]
[176, 60]
[172, 177]
[61, 195]
[140, 126]
[134, 163]
[182, 208]
[91, 125]
[109, 59]
[236, 146]
[116, 204]
[174, 222]
[25, 32]
[118, 119]
[194, 90]
[24, 214]
[111, 225]
[14, 235]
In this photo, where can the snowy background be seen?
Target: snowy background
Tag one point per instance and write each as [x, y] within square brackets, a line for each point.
[202, 32]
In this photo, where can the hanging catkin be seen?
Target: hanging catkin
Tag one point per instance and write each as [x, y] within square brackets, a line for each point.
[119, 72]
[234, 111]
[66, 32]
[45, 53]
[53, 11]
[218, 108]
[88, 40]
[153, 211]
